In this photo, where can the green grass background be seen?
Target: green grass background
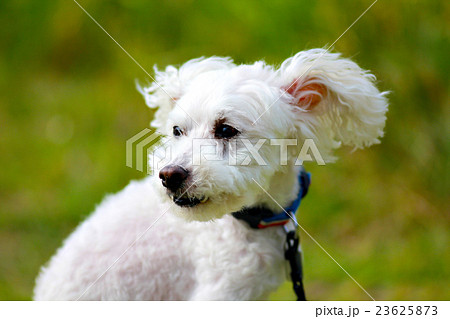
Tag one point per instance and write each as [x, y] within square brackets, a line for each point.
[68, 103]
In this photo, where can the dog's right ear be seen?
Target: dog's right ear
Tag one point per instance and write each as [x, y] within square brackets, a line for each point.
[172, 83]
[333, 100]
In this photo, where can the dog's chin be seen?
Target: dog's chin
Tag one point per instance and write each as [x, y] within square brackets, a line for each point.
[204, 208]
[200, 207]
[187, 201]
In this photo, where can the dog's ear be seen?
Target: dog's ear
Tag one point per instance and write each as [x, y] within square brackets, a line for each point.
[170, 85]
[333, 100]
[162, 93]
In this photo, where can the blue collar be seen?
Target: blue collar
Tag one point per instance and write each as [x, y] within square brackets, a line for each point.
[260, 217]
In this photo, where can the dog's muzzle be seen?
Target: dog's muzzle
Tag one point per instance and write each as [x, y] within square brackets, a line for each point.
[173, 178]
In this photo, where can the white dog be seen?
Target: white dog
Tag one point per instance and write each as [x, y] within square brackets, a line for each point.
[131, 249]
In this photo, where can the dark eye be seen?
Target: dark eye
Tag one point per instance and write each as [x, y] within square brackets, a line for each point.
[177, 131]
[225, 131]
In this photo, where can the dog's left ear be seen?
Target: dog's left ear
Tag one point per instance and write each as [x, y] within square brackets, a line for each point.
[333, 100]
[170, 85]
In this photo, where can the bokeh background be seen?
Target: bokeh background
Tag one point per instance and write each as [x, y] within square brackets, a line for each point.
[68, 103]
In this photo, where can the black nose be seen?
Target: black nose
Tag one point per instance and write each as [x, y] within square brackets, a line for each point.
[173, 176]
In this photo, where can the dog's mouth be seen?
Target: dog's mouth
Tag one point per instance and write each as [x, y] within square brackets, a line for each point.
[187, 201]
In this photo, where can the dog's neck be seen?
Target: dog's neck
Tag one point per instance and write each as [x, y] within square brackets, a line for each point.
[264, 215]
[283, 189]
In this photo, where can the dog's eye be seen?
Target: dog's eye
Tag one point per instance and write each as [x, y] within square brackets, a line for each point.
[225, 131]
[177, 131]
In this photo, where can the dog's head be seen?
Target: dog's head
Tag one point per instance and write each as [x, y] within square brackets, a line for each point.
[224, 123]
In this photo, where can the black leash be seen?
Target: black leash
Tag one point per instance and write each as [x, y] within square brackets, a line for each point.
[293, 255]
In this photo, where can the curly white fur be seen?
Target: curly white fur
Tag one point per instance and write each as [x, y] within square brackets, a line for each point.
[202, 252]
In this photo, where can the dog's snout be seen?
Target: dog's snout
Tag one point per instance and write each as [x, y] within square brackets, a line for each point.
[172, 176]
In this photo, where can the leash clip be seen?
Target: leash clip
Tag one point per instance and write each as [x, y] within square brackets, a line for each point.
[291, 225]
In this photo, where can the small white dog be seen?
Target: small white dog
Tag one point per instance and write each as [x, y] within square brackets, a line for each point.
[130, 249]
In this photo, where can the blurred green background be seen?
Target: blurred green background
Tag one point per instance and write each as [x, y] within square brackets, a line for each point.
[68, 103]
